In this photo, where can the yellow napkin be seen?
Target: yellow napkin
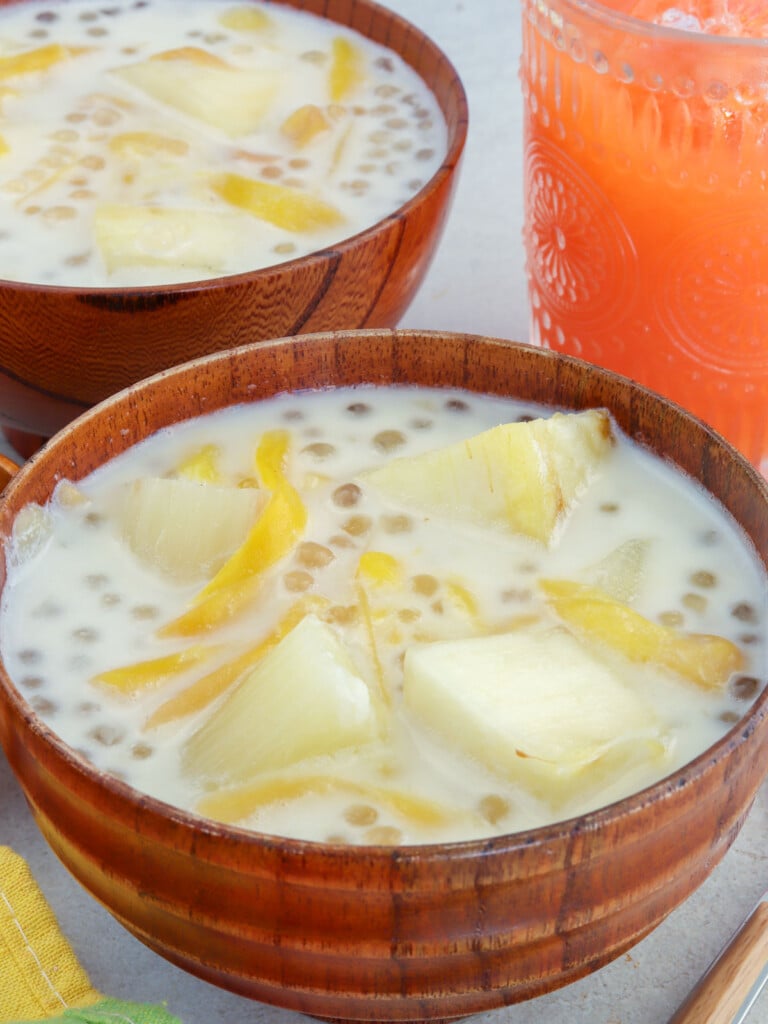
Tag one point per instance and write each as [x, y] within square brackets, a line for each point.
[40, 977]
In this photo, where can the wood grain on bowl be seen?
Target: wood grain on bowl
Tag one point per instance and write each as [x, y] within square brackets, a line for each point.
[404, 933]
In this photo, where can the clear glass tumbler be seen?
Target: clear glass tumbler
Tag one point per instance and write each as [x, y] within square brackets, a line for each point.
[646, 193]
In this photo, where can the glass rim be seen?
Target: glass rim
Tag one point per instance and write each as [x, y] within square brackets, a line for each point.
[633, 25]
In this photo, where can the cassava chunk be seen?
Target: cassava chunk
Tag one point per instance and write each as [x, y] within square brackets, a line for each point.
[185, 528]
[157, 236]
[303, 699]
[533, 706]
[203, 86]
[517, 477]
[704, 659]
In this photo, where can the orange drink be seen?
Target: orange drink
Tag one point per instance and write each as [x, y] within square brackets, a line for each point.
[646, 191]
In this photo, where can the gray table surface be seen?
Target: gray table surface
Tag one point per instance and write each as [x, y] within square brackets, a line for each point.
[475, 284]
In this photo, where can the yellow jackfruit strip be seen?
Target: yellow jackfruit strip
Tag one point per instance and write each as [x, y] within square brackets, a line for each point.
[201, 465]
[192, 55]
[141, 145]
[286, 208]
[214, 610]
[370, 631]
[143, 674]
[39, 59]
[4, 147]
[304, 124]
[278, 527]
[247, 18]
[236, 804]
[347, 69]
[379, 567]
[204, 691]
[704, 659]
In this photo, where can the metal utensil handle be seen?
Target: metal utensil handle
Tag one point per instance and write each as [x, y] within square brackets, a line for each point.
[734, 979]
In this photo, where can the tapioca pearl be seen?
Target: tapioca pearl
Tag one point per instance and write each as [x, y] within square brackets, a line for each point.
[387, 441]
[299, 163]
[744, 687]
[672, 618]
[32, 682]
[703, 578]
[284, 248]
[294, 182]
[409, 615]
[456, 405]
[360, 815]
[694, 602]
[366, 168]
[81, 195]
[341, 540]
[312, 555]
[494, 808]
[516, 595]
[380, 137]
[377, 153]
[76, 117]
[438, 607]
[94, 519]
[88, 707]
[421, 423]
[93, 162]
[347, 495]
[104, 117]
[396, 523]
[383, 835]
[32, 211]
[319, 450]
[145, 612]
[744, 612]
[343, 615]
[609, 508]
[30, 656]
[424, 584]
[748, 639]
[78, 259]
[293, 415]
[43, 705]
[357, 525]
[356, 187]
[106, 734]
[38, 33]
[338, 839]
[403, 145]
[96, 580]
[85, 634]
[359, 409]
[424, 154]
[110, 600]
[49, 609]
[729, 717]
[142, 751]
[709, 538]
[47, 16]
[212, 38]
[297, 581]
[88, 16]
[97, 32]
[385, 64]
[314, 57]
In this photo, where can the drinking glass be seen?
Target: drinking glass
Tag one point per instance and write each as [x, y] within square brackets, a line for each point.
[646, 194]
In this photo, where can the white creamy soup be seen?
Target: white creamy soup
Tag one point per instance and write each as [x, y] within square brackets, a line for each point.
[160, 141]
[385, 615]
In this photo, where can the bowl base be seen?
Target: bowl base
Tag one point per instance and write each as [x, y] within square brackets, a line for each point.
[23, 443]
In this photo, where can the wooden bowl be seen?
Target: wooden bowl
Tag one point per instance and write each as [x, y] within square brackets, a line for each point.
[375, 933]
[63, 349]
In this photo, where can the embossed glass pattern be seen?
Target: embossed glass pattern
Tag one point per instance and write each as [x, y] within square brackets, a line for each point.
[646, 190]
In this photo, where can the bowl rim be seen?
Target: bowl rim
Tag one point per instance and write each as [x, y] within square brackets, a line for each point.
[456, 137]
[153, 809]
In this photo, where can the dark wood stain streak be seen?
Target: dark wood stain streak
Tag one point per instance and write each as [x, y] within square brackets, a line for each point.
[334, 261]
[392, 263]
[128, 302]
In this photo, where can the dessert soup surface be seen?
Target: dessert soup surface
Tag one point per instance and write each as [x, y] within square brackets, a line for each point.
[160, 141]
[108, 642]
